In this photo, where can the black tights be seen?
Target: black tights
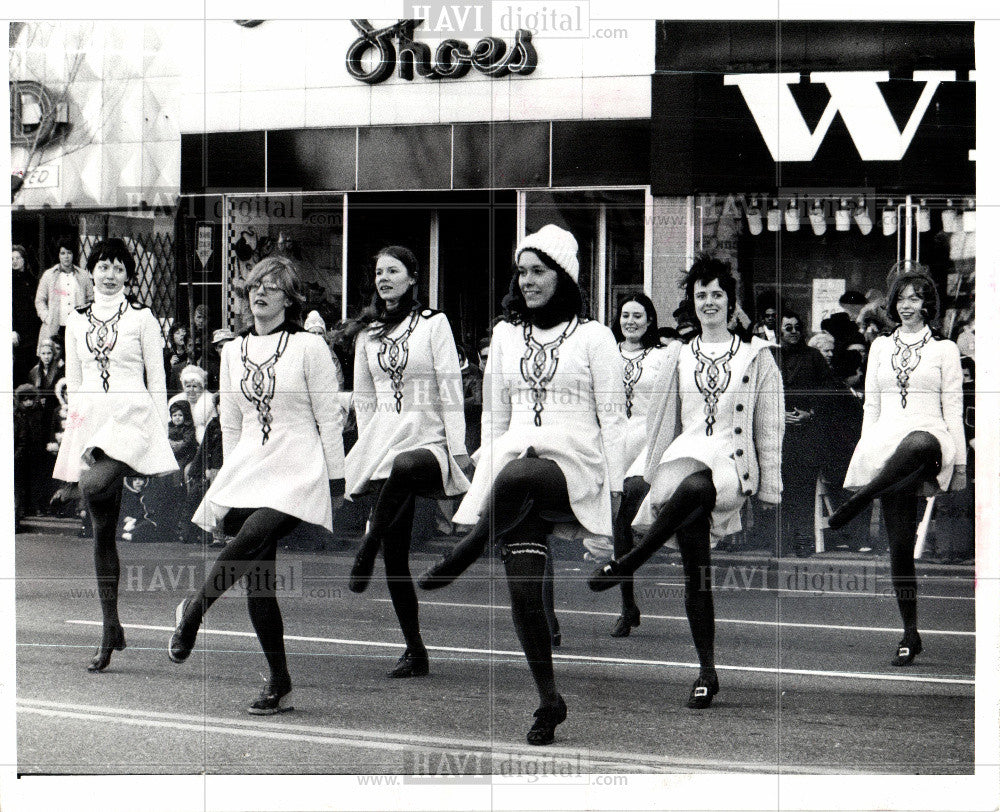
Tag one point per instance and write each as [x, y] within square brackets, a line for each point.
[687, 514]
[899, 509]
[101, 488]
[414, 473]
[633, 493]
[916, 459]
[257, 533]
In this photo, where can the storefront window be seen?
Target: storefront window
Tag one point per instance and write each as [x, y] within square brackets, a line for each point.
[375, 220]
[307, 228]
[609, 227]
[852, 245]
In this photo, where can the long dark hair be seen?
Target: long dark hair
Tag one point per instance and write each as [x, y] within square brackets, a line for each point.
[923, 286]
[566, 301]
[651, 337]
[376, 313]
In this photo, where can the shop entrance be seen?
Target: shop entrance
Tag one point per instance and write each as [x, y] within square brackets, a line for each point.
[464, 242]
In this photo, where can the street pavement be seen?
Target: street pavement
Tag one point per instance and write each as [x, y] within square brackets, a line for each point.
[803, 648]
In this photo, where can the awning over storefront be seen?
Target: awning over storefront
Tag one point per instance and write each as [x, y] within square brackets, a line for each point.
[888, 107]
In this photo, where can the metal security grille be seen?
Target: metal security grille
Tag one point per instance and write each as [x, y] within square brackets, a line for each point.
[155, 268]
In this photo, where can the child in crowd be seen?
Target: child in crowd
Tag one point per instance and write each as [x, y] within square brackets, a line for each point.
[200, 473]
[181, 435]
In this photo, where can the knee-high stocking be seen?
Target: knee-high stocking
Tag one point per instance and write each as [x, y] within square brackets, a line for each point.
[549, 598]
[916, 458]
[525, 574]
[693, 540]
[900, 511]
[694, 498]
[523, 485]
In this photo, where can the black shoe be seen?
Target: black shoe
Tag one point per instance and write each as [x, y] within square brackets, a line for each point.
[179, 647]
[847, 511]
[275, 697]
[543, 731]
[364, 563]
[113, 639]
[411, 664]
[628, 619]
[909, 647]
[704, 688]
[556, 639]
[607, 576]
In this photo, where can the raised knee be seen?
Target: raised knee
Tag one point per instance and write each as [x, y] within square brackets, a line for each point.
[699, 486]
[405, 467]
[93, 485]
[634, 487]
[512, 477]
[922, 442]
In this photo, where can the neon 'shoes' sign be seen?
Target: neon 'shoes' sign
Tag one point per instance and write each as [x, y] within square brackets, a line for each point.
[452, 59]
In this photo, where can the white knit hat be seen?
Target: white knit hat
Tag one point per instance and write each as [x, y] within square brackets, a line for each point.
[314, 319]
[557, 244]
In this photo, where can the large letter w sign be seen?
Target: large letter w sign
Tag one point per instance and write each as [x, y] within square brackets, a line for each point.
[855, 95]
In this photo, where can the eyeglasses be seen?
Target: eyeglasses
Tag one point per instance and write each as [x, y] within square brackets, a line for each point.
[791, 328]
[267, 287]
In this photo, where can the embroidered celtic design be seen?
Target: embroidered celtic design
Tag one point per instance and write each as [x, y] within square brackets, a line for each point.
[101, 339]
[631, 375]
[539, 364]
[393, 355]
[259, 381]
[712, 377]
[905, 360]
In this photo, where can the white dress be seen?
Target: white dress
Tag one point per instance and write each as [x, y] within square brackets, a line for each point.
[558, 391]
[707, 400]
[913, 383]
[114, 350]
[281, 428]
[640, 371]
[407, 396]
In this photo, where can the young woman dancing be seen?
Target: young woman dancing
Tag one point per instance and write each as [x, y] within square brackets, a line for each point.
[283, 464]
[411, 433]
[553, 444]
[117, 420]
[639, 344]
[912, 433]
[714, 438]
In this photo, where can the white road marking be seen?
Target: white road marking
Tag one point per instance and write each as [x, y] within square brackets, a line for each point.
[737, 621]
[576, 658]
[367, 739]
